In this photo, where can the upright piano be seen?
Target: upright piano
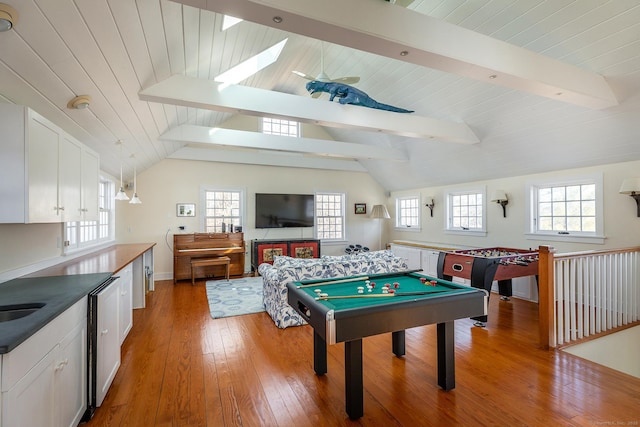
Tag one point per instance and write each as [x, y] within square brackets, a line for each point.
[207, 245]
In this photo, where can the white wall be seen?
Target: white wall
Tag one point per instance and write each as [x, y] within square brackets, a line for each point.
[180, 181]
[621, 224]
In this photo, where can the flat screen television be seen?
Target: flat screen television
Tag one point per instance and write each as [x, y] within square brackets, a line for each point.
[284, 210]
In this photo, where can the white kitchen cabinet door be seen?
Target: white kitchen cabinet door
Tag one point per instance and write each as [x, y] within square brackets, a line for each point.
[69, 179]
[71, 377]
[125, 309]
[31, 402]
[89, 186]
[42, 171]
[108, 340]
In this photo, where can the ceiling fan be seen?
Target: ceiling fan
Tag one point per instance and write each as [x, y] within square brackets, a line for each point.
[323, 77]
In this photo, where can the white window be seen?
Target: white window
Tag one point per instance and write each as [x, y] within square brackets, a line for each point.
[408, 212]
[280, 127]
[466, 211]
[570, 209]
[330, 216]
[83, 234]
[221, 209]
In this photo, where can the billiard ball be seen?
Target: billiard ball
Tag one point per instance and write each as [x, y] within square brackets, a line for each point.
[423, 280]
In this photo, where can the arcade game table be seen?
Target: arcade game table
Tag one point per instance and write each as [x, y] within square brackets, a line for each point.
[483, 266]
[349, 309]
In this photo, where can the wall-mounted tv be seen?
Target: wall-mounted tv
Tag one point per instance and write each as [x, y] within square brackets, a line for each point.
[284, 210]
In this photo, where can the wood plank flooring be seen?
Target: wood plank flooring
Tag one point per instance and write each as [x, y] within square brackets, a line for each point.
[180, 367]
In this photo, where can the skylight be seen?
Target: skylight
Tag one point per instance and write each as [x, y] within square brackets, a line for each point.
[252, 65]
[229, 21]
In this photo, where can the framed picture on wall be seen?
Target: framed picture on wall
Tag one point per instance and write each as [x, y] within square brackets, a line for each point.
[361, 208]
[186, 209]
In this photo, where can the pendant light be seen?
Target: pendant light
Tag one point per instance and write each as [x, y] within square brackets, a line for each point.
[121, 195]
[135, 200]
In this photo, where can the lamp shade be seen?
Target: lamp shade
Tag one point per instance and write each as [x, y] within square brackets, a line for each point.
[380, 211]
[499, 195]
[630, 186]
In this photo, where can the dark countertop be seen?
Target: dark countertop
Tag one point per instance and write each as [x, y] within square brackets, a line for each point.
[59, 287]
[57, 292]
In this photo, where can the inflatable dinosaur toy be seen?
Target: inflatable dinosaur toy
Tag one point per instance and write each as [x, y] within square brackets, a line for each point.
[350, 95]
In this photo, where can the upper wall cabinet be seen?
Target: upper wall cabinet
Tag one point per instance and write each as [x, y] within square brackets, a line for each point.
[45, 174]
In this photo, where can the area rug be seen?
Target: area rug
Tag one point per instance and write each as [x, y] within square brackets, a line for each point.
[234, 297]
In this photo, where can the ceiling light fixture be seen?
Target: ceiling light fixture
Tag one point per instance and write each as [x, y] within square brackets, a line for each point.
[277, 19]
[404, 53]
[80, 102]
[135, 200]
[8, 17]
[121, 195]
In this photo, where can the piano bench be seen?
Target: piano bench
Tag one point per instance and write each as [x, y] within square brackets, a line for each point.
[208, 262]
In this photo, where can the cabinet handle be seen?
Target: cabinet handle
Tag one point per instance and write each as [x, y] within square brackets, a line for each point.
[60, 366]
[105, 331]
[58, 208]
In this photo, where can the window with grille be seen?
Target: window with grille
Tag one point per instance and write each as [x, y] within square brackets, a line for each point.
[567, 209]
[408, 212]
[280, 127]
[466, 211]
[330, 216]
[82, 234]
[222, 208]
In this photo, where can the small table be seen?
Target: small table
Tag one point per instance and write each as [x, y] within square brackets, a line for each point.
[207, 262]
[349, 316]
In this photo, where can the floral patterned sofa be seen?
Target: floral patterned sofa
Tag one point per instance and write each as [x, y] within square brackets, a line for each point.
[286, 270]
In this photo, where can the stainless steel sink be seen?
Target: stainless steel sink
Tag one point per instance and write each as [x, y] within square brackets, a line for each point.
[18, 311]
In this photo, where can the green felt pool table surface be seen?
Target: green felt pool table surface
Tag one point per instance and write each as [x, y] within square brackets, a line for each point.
[408, 283]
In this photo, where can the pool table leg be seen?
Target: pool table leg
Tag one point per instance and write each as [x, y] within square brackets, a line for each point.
[319, 354]
[446, 356]
[354, 393]
[397, 343]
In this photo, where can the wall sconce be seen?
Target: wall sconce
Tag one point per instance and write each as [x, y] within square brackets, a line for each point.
[631, 186]
[8, 17]
[500, 197]
[80, 102]
[430, 203]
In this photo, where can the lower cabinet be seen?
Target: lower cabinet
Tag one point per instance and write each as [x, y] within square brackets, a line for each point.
[264, 250]
[108, 339]
[125, 307]
[49, 368]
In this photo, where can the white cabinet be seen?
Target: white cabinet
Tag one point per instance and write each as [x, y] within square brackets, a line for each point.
[69, 178]
[412, 255]
[44, 379]
[125, 308]
[90, 181]
[108, 340]
[429, 262]
[43, 175]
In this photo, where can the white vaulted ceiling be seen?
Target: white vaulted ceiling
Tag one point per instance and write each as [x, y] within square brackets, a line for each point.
[499, 87]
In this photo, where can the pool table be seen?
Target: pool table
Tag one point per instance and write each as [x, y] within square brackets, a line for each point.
[339, 313]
